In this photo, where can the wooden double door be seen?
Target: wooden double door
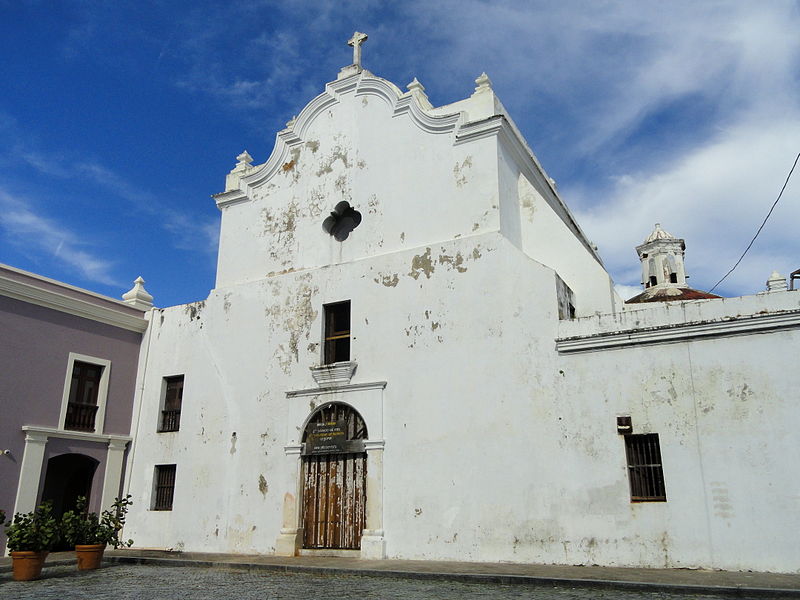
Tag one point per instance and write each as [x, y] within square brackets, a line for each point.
[334, 479]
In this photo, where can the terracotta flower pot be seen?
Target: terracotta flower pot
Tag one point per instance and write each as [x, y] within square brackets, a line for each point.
[27, 565]
[89, 555]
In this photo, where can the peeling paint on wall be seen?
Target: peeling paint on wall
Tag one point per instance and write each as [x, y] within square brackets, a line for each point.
[193, 310]
[373, 204]
[326, 164]
[387, 280]
[293, 317]
[422, 264]
[454, 262]
[460, 171]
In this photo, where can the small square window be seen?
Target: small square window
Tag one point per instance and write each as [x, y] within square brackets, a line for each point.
[164, 487]
[337, 332]
[173, 398]
[644, 468]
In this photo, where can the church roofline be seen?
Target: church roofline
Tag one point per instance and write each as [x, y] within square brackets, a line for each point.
[430, 120]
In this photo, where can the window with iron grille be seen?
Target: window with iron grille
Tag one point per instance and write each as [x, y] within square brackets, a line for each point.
[644, 468]
[82, 401]
[337, 332]
[173, 398]
[164, 487]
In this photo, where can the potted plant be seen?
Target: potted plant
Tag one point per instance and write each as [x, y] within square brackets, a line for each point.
[30, 537]
[91, 534]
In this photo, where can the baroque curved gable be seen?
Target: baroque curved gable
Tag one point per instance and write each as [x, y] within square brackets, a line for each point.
[362, 84]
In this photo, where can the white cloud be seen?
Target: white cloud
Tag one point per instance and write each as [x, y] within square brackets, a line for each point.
[24, 227]
[626, 292]
[714, 197]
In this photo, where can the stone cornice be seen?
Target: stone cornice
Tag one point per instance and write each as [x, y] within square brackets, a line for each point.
[682, 332]
[77, 435]
[95, 311]
[229, 198]
[333, 389]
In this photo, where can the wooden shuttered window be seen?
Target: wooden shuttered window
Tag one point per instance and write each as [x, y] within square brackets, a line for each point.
[337, 332]
[83, 390]
[164, 487]
[173, 399]
[645, 473]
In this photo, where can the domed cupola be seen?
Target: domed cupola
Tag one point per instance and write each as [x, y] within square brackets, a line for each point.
[661, 255]
[663, 273]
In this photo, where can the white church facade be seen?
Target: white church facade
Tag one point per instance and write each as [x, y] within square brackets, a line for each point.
[412, 351]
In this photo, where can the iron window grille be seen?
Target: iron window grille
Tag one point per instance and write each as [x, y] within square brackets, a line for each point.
[645, 473]
[164, 487]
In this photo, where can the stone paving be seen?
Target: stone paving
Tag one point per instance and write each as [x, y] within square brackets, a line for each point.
[152, 582]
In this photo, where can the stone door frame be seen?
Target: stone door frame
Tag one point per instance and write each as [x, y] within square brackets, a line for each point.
[367, 399]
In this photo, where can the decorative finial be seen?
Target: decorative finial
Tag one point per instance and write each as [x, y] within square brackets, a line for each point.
[415, 86]
[484, 83]
[138, 297]
[356, 41]
[244, 159]
[290, 123]
[776, 283]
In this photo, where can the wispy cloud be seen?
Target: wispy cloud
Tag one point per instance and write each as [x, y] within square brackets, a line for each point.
[23, 226]
[198, 234]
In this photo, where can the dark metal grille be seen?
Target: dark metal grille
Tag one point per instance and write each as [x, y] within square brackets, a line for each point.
[171, 415]
[165, 487]
[80, 417]
[337, 332]
[644, 468]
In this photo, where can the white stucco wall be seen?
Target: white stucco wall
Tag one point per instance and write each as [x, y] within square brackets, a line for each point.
[497, 421]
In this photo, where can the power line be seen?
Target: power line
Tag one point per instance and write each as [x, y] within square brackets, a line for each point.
[785, 183]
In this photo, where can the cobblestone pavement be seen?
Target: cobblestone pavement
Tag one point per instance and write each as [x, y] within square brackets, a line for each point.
[151, 582]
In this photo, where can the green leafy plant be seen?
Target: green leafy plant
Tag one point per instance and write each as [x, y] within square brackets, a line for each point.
[36, 531]
[2, 516]
[82, 527]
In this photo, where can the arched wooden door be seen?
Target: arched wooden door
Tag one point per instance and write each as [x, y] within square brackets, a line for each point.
[334, 478]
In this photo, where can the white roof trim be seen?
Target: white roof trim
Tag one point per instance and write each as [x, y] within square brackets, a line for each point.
[27, 292]
[682, 332]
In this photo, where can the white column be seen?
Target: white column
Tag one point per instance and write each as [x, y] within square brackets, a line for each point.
[30, 472]
[290, 539]
[113, 475]
[373, 543]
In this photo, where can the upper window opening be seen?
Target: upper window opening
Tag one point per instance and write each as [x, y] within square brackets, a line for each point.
[653, 281]
[83, 392]
[673, 278]
[342, 220]
[173, 398]
[337, 332]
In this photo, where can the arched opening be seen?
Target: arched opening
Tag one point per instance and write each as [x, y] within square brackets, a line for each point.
[67, 477]
[334, 478]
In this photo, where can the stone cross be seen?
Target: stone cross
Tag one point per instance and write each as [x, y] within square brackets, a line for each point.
[356, 41]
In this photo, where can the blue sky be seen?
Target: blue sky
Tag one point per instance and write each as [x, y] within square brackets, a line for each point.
[119, 120]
